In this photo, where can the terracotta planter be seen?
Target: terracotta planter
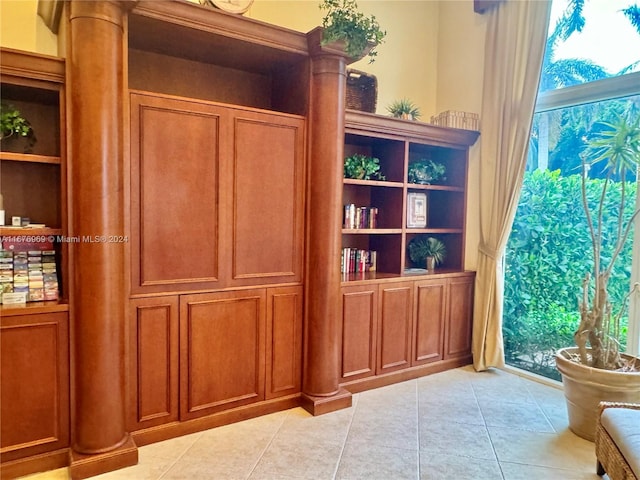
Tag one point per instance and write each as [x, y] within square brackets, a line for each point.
[586, 387]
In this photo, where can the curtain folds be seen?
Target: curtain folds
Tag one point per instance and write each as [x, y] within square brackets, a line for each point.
[514, 48]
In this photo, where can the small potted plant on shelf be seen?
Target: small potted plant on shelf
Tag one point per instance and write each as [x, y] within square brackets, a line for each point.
[14, 125]
[405, 109]
[362, 167]
[427, 250]
[425, 172]
[344, 23]
[596, 370]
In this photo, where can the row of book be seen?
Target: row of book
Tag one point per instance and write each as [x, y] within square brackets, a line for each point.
[357, 260]
[360, 217]
[31, 275]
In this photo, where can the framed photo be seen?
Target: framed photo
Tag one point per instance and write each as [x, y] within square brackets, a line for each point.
[416, 210]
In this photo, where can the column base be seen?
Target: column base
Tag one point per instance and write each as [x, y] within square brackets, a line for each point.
[84, 466]
[321, 405]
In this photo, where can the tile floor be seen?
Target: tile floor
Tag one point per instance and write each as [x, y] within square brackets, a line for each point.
[457, 425]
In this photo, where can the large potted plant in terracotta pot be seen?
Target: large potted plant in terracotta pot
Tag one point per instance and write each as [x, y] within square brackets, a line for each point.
[595, 370]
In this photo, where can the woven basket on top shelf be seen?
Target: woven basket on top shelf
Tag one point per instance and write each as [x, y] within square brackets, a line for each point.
[362, 91]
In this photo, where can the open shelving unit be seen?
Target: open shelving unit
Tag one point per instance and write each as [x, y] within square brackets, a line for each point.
[32, 177]
[398, 143]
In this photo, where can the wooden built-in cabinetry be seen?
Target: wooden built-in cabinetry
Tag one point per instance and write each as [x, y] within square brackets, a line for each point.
[397, 323]
[211, 144]
[34, 364]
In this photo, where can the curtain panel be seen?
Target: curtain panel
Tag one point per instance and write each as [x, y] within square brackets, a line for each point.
[514, 49]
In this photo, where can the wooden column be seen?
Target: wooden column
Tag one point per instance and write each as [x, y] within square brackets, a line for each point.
[321, 373]
[100, 442]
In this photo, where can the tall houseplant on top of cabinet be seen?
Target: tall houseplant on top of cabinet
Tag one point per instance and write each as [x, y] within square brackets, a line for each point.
[599, 371]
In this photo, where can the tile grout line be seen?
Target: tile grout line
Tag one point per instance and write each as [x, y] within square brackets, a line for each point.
[253, 468]
[493, 448]
[344, 443]
[179, 457]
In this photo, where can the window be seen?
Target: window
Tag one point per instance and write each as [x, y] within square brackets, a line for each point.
[583, 84]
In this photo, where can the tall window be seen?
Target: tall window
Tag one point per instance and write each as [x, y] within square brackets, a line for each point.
[591, 76]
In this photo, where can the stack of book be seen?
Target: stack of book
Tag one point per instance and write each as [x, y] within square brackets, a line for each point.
[356, 260]
[32, 273]
[360, 217]
[6, 272]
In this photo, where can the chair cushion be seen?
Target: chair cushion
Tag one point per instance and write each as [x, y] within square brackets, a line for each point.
[623, 426]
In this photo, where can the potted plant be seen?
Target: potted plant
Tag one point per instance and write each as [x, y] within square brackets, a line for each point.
[427, 250]
[405, 109]
[344, 23]
[362, 167]
[14, 125]
[596, 370]
[425, 171]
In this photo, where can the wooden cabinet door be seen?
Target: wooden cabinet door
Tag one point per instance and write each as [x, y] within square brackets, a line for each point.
[222, 351]
[177, 187]
[34, 384]
[458, 333]
[153, 362]
[394, 329]
[359, 331]
[284, 341]
[268, 198]
[429, 321]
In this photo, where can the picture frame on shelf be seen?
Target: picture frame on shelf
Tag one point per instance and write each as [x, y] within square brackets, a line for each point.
[416, 210]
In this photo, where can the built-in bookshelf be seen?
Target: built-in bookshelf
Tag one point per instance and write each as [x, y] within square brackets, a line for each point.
[32, 173]
[397, 144]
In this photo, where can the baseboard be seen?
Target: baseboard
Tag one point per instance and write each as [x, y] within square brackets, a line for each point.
[84, 466]
[177, 429]
[377, 381]
[34, 464]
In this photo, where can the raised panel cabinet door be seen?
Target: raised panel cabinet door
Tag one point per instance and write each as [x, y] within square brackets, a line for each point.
[153, 362]
[359, 331]
[458, 336]
[222, 351]
[268, 198]
[394, 330]
[175, 193]
[34, 384]
[430, 316]
[284, 341]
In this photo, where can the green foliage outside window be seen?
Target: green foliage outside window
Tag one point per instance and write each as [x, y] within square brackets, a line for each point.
[547, 257]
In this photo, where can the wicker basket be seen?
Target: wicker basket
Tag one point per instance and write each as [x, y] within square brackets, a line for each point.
[362, 91]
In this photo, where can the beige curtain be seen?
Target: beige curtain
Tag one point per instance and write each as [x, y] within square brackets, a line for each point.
[514, 48]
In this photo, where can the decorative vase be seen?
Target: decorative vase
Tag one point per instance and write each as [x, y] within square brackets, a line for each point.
[585, 387]
[431, 264]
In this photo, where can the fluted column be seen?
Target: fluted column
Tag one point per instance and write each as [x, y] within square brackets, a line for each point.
[322, 328]
[95, 103]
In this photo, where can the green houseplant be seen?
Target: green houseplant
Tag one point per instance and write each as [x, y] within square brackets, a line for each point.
[362, 167]
[343, 22]
[14, 125]
[404, 108]
[596, 370]
[425, 172]
[427, 249]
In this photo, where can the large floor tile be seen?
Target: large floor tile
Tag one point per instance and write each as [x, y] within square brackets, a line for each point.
[439, 467]
[370, 462]
[516, 471]
[442, 437]
[505, 413]
[557, 450]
